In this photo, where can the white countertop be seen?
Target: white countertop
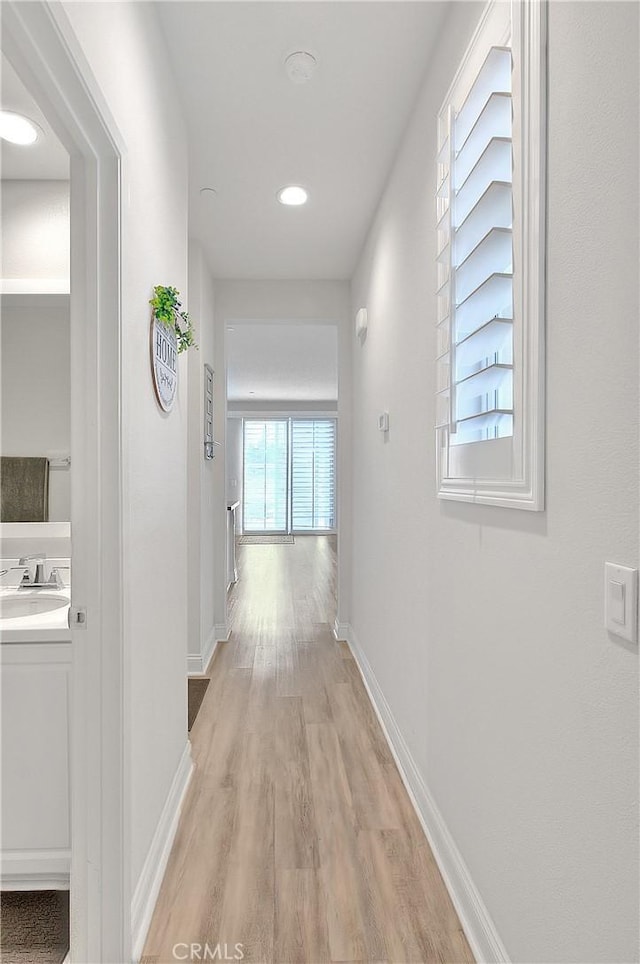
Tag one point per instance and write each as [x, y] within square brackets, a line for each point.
[49, 626]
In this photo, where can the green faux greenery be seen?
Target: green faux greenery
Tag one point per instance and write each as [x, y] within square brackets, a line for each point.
[168, 309]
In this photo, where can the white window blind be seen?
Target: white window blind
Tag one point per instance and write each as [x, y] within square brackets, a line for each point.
[313, 445]
[490, 205]
[475, 257]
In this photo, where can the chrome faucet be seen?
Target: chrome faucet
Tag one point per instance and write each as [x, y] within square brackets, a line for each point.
[37, 579]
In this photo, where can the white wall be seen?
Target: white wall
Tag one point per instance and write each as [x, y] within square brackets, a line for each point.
[201, 502]
[484, 626]
[35, 231]
[36, 392]
[234, 466]
[311, 301]
[126, 52]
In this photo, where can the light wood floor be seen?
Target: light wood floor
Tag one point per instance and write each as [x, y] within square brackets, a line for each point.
[297, 838]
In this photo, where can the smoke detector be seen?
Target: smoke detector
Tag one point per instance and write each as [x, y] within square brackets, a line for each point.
[300, 66]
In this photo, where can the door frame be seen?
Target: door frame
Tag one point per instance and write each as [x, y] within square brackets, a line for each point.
[39, 42]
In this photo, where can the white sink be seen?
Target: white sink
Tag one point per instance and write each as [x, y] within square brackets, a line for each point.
[16, 604]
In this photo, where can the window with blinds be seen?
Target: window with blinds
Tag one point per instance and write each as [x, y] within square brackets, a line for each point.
[475, 259]
[289, 475]
[490, 264]
[313, 473]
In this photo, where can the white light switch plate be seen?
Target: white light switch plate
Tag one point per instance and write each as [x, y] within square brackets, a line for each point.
[621, 601]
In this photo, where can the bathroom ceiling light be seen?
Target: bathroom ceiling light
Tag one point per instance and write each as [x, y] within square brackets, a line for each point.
[16, 128]
[293, 195]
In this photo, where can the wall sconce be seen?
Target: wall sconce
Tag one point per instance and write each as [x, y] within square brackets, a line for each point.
[361, 322]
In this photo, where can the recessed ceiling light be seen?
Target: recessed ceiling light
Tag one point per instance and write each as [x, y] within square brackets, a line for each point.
[16, 128]
[252, 393]
[208, 191]
[300, 66]
[292, 195]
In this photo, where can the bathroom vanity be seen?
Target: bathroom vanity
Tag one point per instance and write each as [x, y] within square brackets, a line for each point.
[35, 663]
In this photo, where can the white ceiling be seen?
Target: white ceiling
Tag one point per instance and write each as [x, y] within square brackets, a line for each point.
[46, 159]
[282, 362]
[251, 130]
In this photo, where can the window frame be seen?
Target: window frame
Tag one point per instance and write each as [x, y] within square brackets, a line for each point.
[289, 418]
[510, 471]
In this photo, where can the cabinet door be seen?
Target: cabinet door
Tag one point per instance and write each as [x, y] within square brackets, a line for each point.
[35, 760]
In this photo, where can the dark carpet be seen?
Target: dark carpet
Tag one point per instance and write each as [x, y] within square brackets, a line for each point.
[196, 688]
[34, 926]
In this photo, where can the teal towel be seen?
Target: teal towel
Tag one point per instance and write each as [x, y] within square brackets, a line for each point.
[24, 489]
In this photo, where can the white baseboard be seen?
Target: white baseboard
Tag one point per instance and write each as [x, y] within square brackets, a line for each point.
[222, 632]
[150, 880]
[341, 630]
[475, 919]
[197, 663]
[35, 869]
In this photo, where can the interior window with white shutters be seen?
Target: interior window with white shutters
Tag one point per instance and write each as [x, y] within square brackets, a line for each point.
[481, 267]
[490, 264]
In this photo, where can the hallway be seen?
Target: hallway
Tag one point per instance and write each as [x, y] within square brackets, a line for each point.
[297, 838]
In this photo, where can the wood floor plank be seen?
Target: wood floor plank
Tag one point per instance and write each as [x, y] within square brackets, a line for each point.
[263, 686]
[301, 927]
[288, 667]
[337, 835]
[373, 804]
[220, 759]
[190, 900]
[295, 825]
[421, 898]
[312, 656]
[297, 838]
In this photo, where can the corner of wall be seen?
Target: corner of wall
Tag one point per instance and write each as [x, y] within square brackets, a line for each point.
[150, 880]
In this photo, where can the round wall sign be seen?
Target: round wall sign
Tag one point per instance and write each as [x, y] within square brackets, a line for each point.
[164, 363]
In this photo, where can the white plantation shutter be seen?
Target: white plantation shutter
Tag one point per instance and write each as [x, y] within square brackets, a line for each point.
[313, 452]
[475, 253]
[490, 203]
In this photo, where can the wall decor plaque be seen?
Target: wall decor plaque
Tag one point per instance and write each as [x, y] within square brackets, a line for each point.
[164, 363]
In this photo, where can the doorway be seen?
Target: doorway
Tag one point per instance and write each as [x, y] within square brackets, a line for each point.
[47, 59]
[282, 432]
[35, 513]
